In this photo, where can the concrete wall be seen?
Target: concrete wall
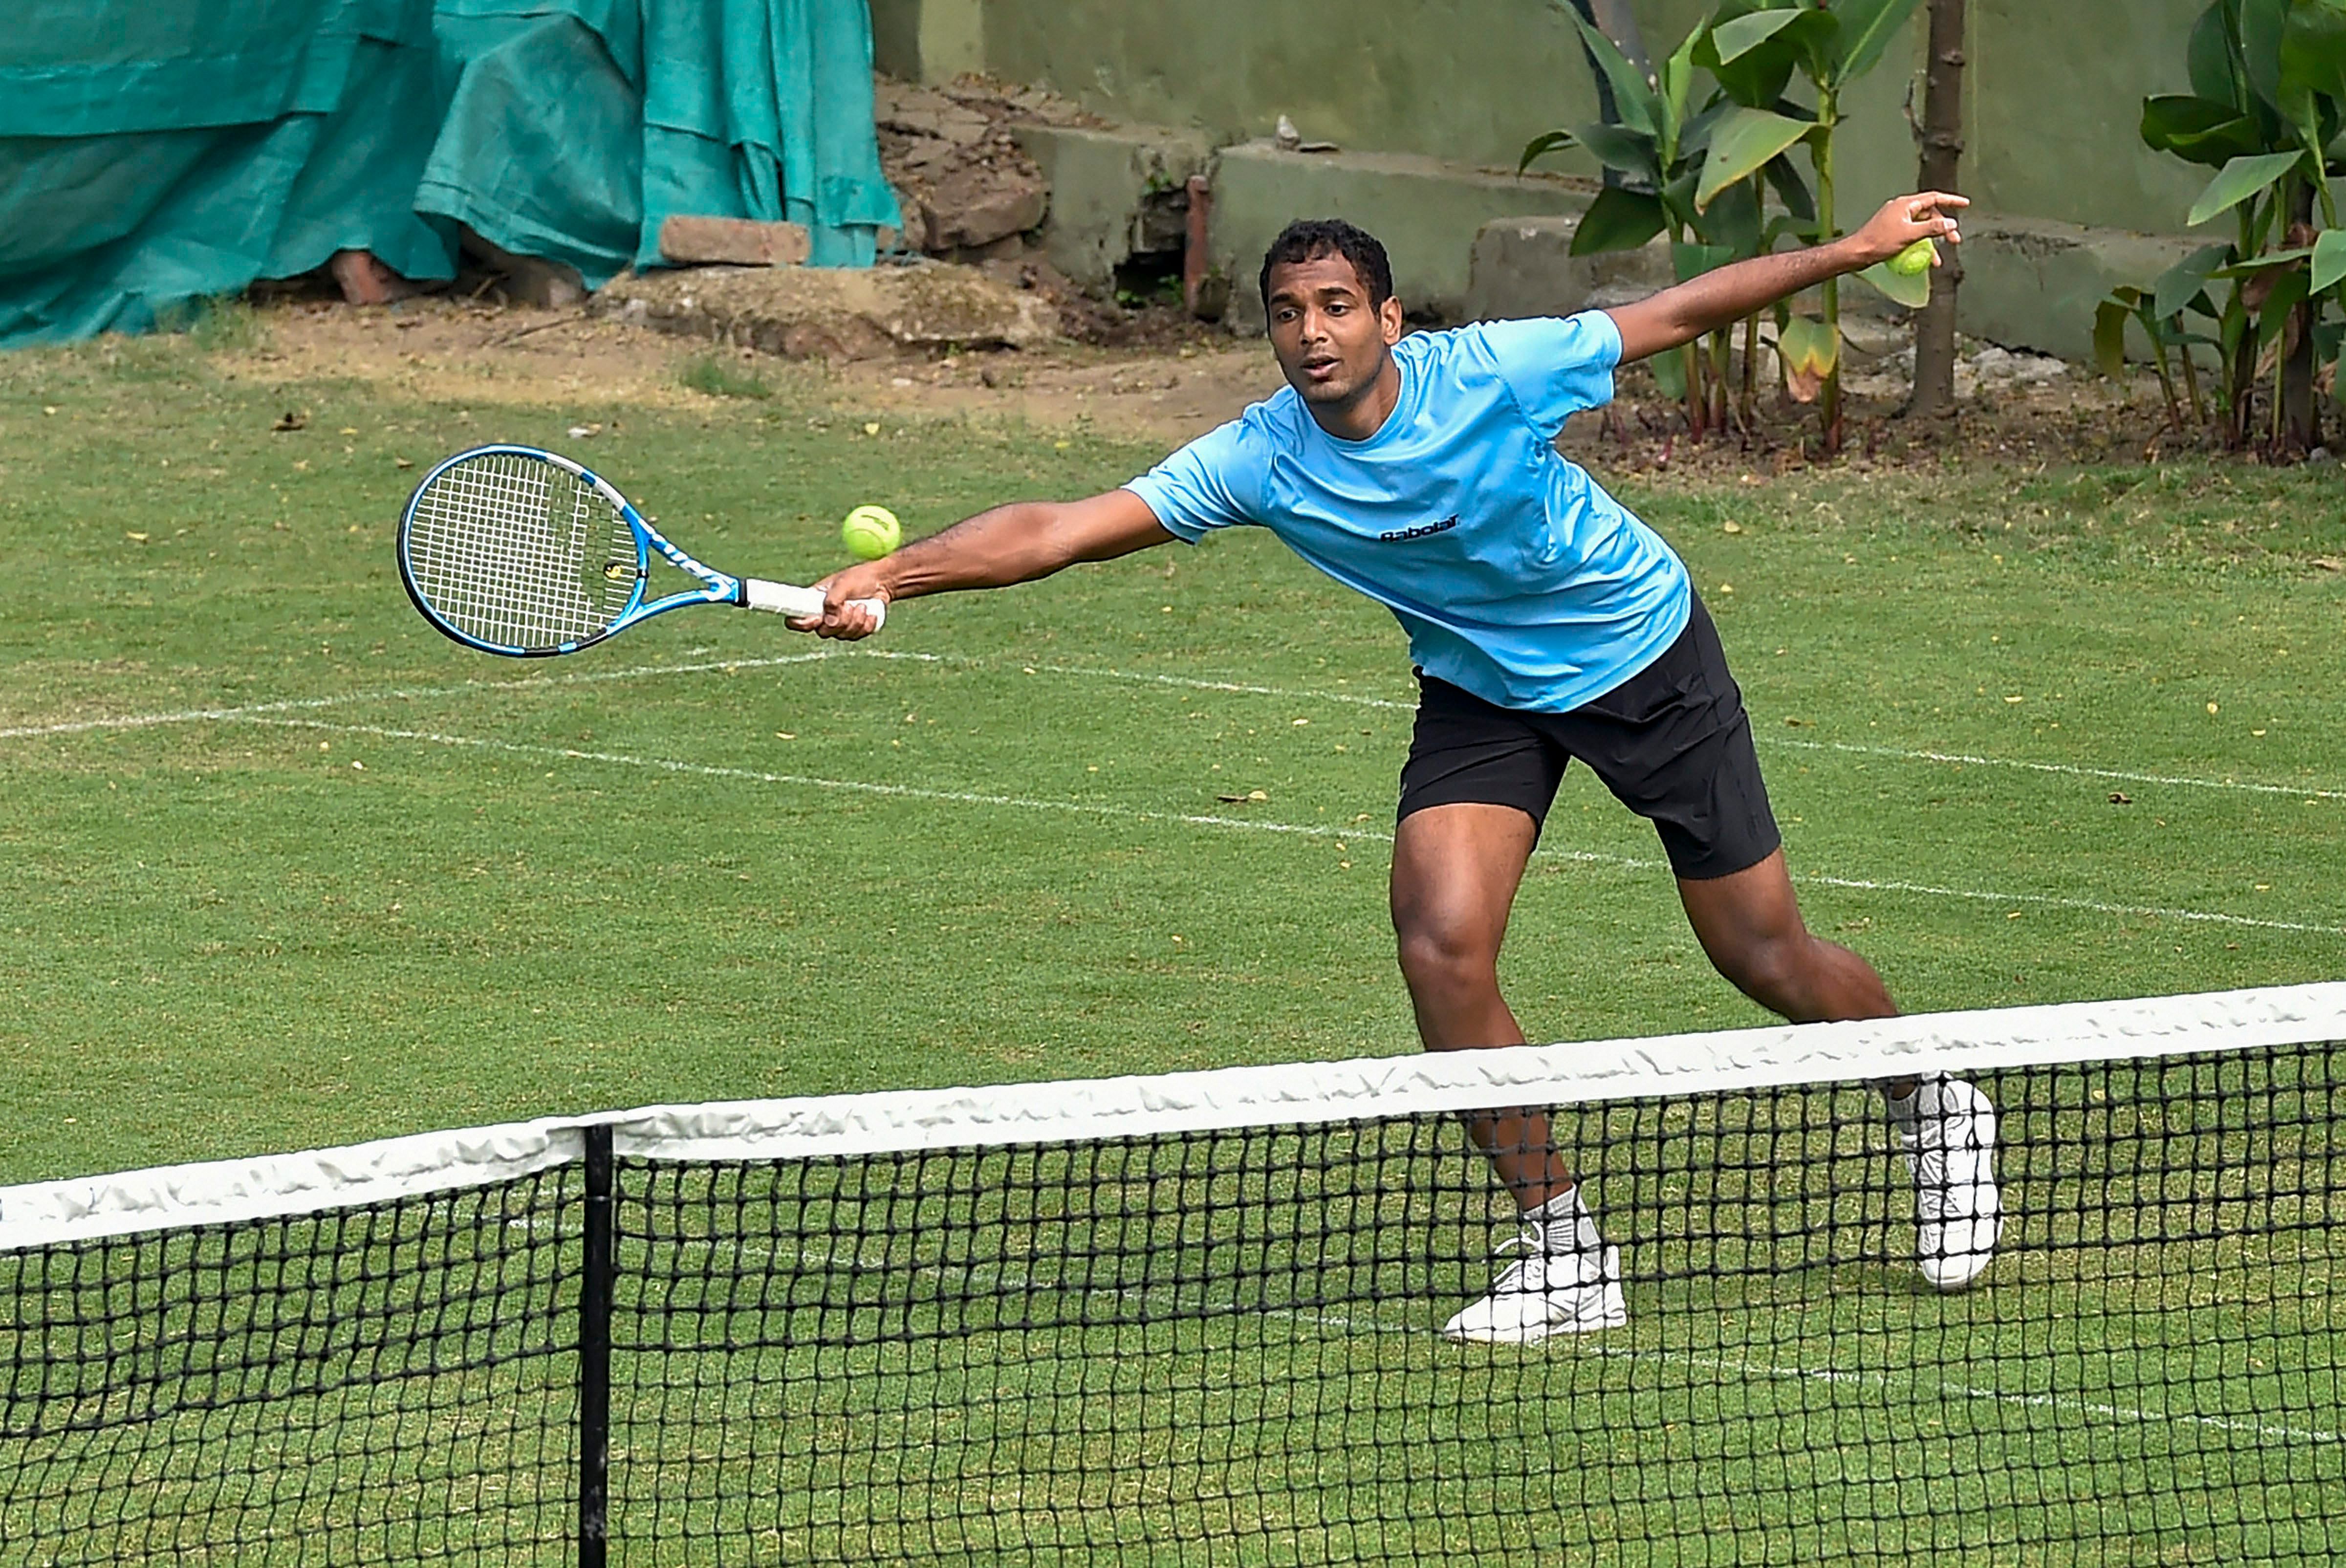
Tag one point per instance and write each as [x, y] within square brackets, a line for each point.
[1432, 101]
[2055, 86]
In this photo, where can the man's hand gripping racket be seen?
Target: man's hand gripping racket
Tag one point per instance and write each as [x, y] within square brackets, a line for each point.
[515, 551]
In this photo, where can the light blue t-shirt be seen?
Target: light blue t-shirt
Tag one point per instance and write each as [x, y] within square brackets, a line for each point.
[1516, 575]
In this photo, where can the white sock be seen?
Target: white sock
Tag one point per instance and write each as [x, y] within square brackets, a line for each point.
[1905, 1112]
[1565, 1225]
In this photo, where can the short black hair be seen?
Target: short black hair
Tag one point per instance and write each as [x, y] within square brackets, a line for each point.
[1308, 238]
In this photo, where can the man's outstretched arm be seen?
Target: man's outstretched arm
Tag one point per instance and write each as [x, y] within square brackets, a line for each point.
[1014, 543]
[1720, 298]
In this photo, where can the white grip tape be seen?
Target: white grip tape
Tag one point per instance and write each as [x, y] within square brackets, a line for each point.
[782, 599]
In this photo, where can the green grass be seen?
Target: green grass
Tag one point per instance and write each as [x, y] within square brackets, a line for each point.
[718, 376]
[283, 868]
[290, 927]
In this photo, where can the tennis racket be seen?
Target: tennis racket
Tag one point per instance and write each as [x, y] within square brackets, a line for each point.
[515, 551]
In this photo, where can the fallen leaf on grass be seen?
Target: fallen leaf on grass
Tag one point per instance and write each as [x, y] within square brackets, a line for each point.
[289, 419]
[2120, 798]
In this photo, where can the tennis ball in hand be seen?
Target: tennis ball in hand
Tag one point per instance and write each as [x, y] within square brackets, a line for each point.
[870, 532]
[1916, 258]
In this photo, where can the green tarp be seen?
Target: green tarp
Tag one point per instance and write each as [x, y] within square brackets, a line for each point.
[158, 152]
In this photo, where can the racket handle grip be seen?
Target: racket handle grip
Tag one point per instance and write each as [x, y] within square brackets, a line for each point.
[782, 599]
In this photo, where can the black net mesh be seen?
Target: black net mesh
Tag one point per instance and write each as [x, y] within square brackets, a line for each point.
[1226, 1347]
[387, 1384]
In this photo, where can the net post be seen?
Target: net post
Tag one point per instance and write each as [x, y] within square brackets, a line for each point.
[595, 1298]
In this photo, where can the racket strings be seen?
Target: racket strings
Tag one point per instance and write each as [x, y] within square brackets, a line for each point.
[514, 550]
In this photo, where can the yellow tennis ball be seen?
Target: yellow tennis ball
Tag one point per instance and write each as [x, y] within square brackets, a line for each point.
[871, 532]
[1915, 258]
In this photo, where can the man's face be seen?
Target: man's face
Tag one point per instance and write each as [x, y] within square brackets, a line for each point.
[1331, 342]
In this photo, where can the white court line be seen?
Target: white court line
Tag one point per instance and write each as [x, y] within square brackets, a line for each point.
[1971, 1391]
[2112, 774]
[1006, 1280]
[1898, 753]
[398, 693]
[637, 672]
[1200, 820]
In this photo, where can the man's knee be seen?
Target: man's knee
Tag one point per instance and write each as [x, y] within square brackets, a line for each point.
[1441, 955]
[1766, 968]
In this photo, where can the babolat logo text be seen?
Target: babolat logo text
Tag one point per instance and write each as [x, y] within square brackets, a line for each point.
[1420, 531]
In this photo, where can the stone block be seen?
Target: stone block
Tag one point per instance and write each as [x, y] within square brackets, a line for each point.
[2031, 283]
[1426, 212]
[732, 241]
[834, 313]
[1110, 190]
[1525, 267]
[977, 205]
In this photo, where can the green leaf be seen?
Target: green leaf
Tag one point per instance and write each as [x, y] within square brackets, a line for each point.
[1738, 37]
[1669, 373]
[1633, 96]
[2263, 261]
[2214, 63]
[1807, 351]
[1693, 260]
[2240, 179]
[1618, 220]
[1809, 346]
[2313, 50]
[1743, 145]
[2329, 259]
[2109, 336]
[1867, 29]
[1677, 81]
[1616, 146]
[2176, 287]
[2199, 129]
[1678, 200]
[1734, 220]
[1540, 146]
[1755, 79]
[2262, 23]
[2314, 81]
[1912, 290]
[1791, 190]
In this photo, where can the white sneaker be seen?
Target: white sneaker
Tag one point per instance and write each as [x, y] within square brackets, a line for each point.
[1544, 1293]
[1958, 1213]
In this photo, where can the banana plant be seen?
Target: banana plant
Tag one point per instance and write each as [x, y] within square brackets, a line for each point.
[1754, 48]
[2266, 111]
[1660, 144]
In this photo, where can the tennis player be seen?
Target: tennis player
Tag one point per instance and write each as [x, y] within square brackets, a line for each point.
[1546, 623]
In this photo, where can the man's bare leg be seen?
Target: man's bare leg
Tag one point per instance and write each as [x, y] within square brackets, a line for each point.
[1749, 924]
[1455, 871]
[1455, 875]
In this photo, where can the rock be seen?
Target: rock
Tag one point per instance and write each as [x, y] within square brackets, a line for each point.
[973, 207]
[823, 312]
[963, 182]
[735, 241]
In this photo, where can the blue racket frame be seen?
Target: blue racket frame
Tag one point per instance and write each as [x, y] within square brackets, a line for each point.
[719, 587]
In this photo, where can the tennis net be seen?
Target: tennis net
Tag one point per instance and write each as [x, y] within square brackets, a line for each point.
[1198, 1319]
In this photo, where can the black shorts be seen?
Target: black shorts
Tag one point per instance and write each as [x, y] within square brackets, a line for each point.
[1672, 742]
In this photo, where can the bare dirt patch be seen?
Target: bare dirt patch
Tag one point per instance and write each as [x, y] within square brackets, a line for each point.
[1164, 390]
[447, 351]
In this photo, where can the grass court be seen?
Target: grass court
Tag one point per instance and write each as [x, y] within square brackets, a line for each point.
[285, 869]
